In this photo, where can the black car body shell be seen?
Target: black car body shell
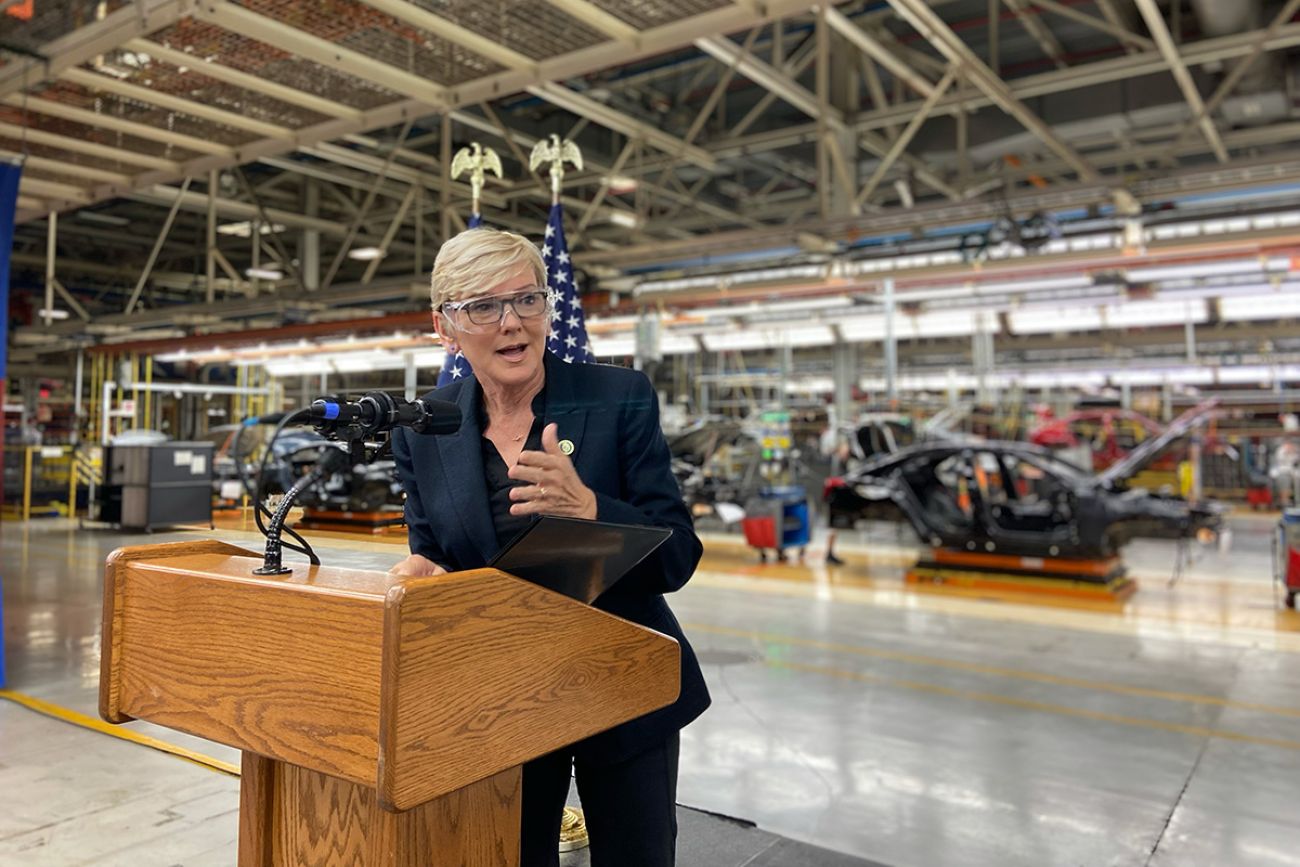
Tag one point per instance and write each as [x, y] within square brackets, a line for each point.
[976, 496]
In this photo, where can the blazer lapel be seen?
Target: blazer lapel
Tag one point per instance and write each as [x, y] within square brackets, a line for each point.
[563, 407]
[462, 464]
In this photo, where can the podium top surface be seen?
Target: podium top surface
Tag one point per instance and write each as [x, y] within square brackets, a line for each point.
[239, 567]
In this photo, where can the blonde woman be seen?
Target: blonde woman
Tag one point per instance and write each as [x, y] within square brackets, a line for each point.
[468, 493]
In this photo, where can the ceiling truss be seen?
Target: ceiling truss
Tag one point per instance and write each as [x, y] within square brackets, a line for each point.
[735, 117]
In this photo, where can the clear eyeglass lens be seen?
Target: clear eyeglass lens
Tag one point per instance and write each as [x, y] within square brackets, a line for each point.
[489, 311]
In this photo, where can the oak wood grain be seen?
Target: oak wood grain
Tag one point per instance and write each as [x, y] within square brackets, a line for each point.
[310, 819]
[289, 670]
[483, 671]
[110, 655]
[256, 809]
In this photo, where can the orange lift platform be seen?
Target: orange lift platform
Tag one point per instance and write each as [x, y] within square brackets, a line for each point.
[1103, 579]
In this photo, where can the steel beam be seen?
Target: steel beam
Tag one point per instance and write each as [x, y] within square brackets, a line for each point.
[445, 28]
[651, 42]
[117, 124]
[872, 47]
[940, 35]
[75, 170]
[157, 247]
[728, 18]
[1125, 36]
[729, 53]
[263, 28]
[1041, 33]
[905, 137]
[1156, 24]
[1112, 15]
[1238, 71]
[54, 190]
[149, 96]
[88, 42]
[76, 145]
[229, 75]
[589, 13]
[1203, 52]
[586, 107]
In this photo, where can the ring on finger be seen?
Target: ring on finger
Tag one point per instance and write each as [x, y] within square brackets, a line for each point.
[541, 490]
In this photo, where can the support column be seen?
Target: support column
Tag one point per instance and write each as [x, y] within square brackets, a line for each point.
[50, 255]
[844, 371]
[444, 201]
[211, 242]
[76, 397]
[309, 245]
[409, 358]
[787, 367]
[891, 343]
[843, 98]
[982, 357]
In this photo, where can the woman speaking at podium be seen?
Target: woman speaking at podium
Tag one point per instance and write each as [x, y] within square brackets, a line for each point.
[540, 436]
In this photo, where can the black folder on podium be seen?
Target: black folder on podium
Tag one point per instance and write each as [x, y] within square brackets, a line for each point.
[576, 557]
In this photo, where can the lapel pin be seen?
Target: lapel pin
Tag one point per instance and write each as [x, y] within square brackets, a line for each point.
[566, 446]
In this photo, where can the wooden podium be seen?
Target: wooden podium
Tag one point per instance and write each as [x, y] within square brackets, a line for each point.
[383, 719]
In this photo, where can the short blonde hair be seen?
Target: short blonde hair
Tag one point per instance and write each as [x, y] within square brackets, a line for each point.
[475, 260]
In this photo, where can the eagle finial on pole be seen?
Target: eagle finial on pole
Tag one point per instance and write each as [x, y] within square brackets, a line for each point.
[557, 153]
[477, 160]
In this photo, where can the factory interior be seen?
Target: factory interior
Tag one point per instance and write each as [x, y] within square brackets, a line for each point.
[974, 328]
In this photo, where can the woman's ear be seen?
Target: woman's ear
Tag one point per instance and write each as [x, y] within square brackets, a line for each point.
[445, 331]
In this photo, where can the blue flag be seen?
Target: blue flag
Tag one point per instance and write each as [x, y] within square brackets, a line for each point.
[456, 364]
[568, 337]
[10, 174]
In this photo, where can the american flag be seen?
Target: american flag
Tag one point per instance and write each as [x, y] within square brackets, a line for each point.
[568, 337]
[456, 364]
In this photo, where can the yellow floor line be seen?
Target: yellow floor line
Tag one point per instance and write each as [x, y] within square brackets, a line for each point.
[1045, 707]
[80, 719]
[995, 671]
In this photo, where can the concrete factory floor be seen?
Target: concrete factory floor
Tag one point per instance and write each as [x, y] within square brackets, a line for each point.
[851, 712]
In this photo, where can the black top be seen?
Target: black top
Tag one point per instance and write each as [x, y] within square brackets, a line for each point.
[496, 472]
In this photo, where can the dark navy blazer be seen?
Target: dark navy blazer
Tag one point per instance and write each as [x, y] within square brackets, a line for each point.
[611, 415]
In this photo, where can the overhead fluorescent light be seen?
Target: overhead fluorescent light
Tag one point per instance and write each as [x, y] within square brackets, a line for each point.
[619, 184]
[263, 274]
[244, 229]
[1206, 269]
[106, 219]
[1149, 314]
[1052, 321]
[606, 347]
[623, 218]
[366, 254]
[56, 313]
[1283, 304]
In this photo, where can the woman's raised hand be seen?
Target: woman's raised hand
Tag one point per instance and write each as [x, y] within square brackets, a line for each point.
[554, 487]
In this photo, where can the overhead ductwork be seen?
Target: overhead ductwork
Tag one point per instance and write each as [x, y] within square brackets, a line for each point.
[1229, 17]
[1225, 17]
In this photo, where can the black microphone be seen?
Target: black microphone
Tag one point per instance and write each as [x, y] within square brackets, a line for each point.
[379, 411]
